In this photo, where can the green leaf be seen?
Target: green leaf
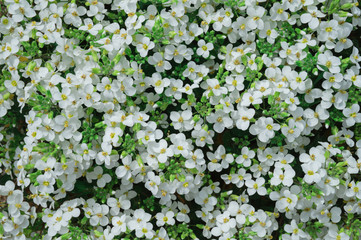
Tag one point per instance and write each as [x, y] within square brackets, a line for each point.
[200, 226]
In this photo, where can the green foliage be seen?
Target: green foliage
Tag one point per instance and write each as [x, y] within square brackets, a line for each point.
[203, 108]
[42, 102]
[31, 49]
[128, 145]
[353, 226]
[149, 203]
[173, 170]
[265, 47]
[289, 33]
[91, 133]
[241, 141]
[181, 231]
[308, 64]
[314, 228]
[309, 190]
[336, 115]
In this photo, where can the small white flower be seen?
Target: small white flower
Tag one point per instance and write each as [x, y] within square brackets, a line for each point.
[352, 114]
[256, 186]
[101, 178]
[264, 128]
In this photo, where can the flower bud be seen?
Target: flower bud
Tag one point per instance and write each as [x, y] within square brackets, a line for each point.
[6, 96]
[96, 70]
[129, 71]
[31, 66]
[136, 127]
[218, 107]
[49, 67]
[205, 127]
[196, 118]
[223, 49]
[95, 56]
[343, 14]
[117, 58]
[171, 34]
[41, 89]
[347, 6]
[115, 73]
[139, 161]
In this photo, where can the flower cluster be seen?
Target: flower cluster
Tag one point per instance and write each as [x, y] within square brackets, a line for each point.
[170, 119]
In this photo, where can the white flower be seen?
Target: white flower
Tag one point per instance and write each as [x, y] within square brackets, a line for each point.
[352, 74]
[102, 179]
[159, 83]
[140, 218]
[312, 17]
[355, 57]
[224, 223]
[256, 186]
[254, 19]
[264, 128]
[283, 176]
[221, 120]
[160, 64]
[17, 204]
[182, 215]
[295, 230]
[245, 157]
[73, 15]
[145, 230]
[332, 80]
[204, 48]
[99, 215]
[14, 84]
[180, 145]
[269, 32]
[314, 117]
[46, 183]
[291, 131]
[328, 30]
[182, 121]
[278, 11]
[119, 224]
[144, 45]
[251, 98]
[125, 170]
[312, 171]
[204, 199]
[235, 83]
[167, 218]
[243, 116]
[352, 114]
[262, 224]
[21, 10]
[222, 18]
[329, 61]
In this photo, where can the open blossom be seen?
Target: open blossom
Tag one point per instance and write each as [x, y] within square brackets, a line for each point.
[312, 17]
[264, 128]
[204, 48]
[221, 121]
[243, 116]
[144, 45]
[329, 61]
[352, 114]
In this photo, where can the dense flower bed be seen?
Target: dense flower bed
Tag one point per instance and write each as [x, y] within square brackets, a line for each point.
[170, 119]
